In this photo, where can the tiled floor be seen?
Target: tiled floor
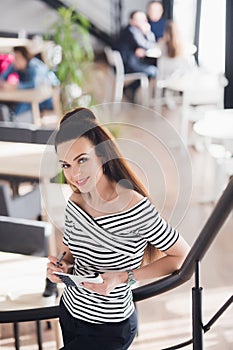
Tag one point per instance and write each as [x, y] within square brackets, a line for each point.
[180, 180]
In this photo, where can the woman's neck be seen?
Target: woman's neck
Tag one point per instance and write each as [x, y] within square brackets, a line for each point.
[104, 192]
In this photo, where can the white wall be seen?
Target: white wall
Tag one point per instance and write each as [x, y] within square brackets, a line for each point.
[33, 16]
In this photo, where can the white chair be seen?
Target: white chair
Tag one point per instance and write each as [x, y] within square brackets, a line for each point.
[200, 91]
[203, 91]
[123, 79]
[170, 72]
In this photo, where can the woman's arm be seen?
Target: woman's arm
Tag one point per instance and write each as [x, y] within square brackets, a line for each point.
[166, 265]
[172, 261]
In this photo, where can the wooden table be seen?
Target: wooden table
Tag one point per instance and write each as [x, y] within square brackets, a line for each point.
[7, 44]
[35, 45]
[22, 284]
[23, 275]
[217, 124]
[25, 160]
[20, 162]
[32, 96]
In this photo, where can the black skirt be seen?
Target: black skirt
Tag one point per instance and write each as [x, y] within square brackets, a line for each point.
[80, 335]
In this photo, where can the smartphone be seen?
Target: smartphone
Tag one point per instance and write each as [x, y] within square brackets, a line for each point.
[75, 281]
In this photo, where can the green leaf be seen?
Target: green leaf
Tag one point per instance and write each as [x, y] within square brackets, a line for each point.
[71, 32]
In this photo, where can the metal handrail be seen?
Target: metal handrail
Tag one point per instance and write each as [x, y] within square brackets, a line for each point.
[198, 250]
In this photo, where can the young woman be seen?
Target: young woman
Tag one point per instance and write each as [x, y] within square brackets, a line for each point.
[176, 63]
[111, 225]
[175, 60]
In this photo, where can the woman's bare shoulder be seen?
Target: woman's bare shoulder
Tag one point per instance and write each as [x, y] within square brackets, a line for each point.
[133, 197]
[137, 197]
[76, 198]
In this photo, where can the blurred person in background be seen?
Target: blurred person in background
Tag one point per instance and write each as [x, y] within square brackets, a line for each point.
[175, 57]
[176, 60]
[30, 72]
[133, 43]
[155, 18]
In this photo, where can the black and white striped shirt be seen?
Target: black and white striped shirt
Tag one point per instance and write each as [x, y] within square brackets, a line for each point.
[110, 242]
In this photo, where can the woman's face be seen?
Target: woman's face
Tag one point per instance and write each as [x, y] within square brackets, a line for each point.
[82, 168]
[20, 62]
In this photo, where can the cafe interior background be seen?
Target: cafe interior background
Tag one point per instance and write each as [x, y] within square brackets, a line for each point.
[192, 165]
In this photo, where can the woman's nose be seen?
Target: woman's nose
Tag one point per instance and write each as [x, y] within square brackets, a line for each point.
[76, 170]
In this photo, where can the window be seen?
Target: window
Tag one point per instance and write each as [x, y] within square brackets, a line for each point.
[212, 30]
[212, 35]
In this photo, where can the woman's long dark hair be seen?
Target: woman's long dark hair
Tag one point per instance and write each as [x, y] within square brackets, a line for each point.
[81, 122]
[172, 39]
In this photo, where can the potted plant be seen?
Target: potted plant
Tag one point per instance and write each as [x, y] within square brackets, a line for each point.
[70, 32]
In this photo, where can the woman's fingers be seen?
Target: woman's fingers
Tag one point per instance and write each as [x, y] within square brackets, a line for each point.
[52, 259]
[52, 267]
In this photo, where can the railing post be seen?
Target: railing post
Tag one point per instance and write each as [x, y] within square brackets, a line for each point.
[197, 311]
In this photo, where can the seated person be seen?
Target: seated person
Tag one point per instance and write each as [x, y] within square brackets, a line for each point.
[157, 22]
[132, 43]
[5, 60]
[174, 62]
[31, 73]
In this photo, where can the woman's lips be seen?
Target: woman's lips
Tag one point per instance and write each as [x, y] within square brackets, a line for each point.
[82, 182]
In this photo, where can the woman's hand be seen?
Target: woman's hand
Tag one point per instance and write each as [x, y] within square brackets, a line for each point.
[52, 267]
[110, 281]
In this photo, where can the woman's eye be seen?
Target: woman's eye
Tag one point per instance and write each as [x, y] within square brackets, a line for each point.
[65, 166]
[82, 160]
